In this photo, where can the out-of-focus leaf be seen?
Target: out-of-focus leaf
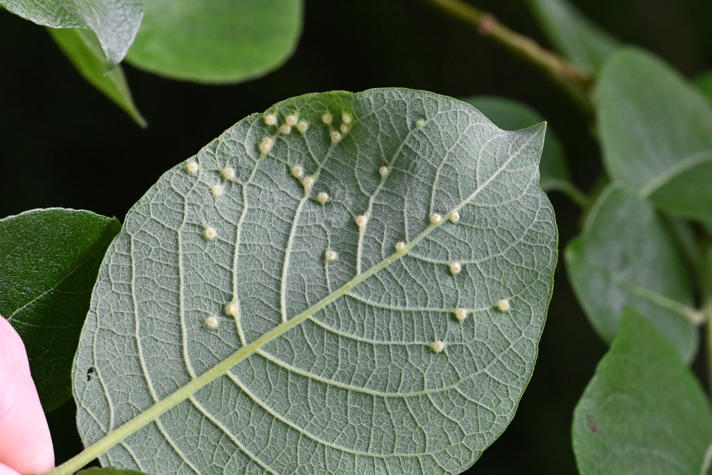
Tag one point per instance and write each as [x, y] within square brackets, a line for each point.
[115, 22]
[49, 259]
[643, 412]
[84, 51]
[656, 133]
[216, 41]
[704, 82]
[626, 257]
[585, 44]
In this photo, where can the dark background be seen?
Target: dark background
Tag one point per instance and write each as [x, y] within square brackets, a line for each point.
[63, 144]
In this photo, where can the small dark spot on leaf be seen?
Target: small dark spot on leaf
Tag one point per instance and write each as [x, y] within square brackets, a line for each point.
[90, 371]
[592, 424]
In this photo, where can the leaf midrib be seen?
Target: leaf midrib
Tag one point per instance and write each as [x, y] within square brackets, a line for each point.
[185, 392]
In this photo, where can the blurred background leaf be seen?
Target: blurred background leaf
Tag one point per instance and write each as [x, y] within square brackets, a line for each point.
[625, 257]
[656, 133]
[83, 50]
[574, 35]
[218, 41]
[644, 412]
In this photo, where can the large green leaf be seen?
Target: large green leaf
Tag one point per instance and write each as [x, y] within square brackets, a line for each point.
[115, 22]
[656, 133]
[216, 41]
[643, 412]
[313, 323]
[626, 257]
[84, 51]
[49, 259]
[573, 34]
[513, 115]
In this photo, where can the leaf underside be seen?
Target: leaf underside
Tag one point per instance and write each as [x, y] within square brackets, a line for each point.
[513, 115]
[355, 386]
[115, 22]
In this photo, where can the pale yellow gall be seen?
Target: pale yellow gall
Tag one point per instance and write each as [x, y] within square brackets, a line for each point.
[435, 218]
[361, 221]
[344, 129]
[216, 190]
[232, 309]
[209, 233]
[335, 136]
[284, 129]
[383, 171]
[297, 171]
[192, 168]
[346, 118]
[291, 119]
[502, 305]
[330, 256]
[454, 216]
[460, 313]
[211, 322]
[266, 145]
[420, 123]
[302, 126]
[327, 118]
[400, 247]
[455, 268]
[322, 197]
[228, 173]
[308, 183]
[270, 119]
[437, 346]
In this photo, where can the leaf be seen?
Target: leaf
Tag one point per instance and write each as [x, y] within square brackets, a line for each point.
[625, 257]
[49, 259]
[704, 82]
[513, 115]
[656, 133]
[83, 50]
[584, 43]
[115, 22]
[216, 42]
[109, 471]
[315, 340]
[643, 412]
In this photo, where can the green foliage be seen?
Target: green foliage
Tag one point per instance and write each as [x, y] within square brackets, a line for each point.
[222, 279]
[586, 45]
[704, 82]
[216, 41]
[115, 22]
[643, 412]
[109, 471]
[48, 264]
[625, 257]
[513, 115]
[656, 133]
[84, 51]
